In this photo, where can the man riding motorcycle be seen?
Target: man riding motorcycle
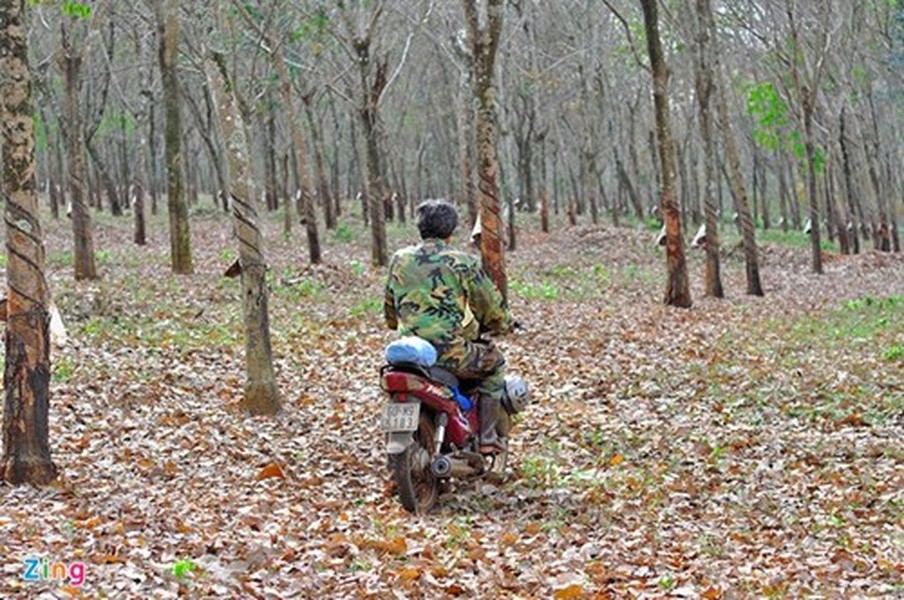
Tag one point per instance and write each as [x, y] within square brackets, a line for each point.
[444, 296]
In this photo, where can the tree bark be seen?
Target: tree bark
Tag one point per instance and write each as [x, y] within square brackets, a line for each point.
[739, 193]
[484, 43]
[106, 179]
[855, 216]
[287, 196]
[180, 233]
[152, 156]
[272, 199]
[465, 126]
[82, 227]
[140, 236]
[26, 376]
[55, 158]
[302, 162]
[796, 219]
[812, 193]
[261, 394]
[704, 87]
[677, 287]
[373, 183]
[323, 184]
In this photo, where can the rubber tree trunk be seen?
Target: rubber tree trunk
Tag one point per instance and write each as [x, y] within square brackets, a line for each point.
[138, 186]
[270, 156]
[82, 227]
[484, 43]
[261, 394]
[106, 179]
[26, 376]
[677, 288]
[140, 237]
[335, 188]
[544, 195]
[373, 183]
[180, 233]
[884, 236]
[855, 216]
[54, 159]
[733, 164]
[465, 126]
[812, 193]
[705, 87]
[302, 163]
[153, 176]
[323, 184]
[287, 196]
[739, 193]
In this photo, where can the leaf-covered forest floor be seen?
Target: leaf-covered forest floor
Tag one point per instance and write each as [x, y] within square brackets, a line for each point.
[746, 447]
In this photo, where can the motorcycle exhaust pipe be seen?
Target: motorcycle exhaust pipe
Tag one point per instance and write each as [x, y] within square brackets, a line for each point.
[445, 466]
[442, 467]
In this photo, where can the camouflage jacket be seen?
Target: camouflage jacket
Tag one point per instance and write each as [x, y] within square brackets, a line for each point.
[440, 294]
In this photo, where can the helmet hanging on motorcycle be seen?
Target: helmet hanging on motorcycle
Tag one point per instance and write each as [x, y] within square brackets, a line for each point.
[517, 394]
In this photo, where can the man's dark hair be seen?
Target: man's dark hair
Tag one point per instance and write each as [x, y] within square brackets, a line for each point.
[436, 219]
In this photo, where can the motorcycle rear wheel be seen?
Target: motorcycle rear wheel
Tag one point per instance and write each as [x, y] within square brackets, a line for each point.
[417, 486]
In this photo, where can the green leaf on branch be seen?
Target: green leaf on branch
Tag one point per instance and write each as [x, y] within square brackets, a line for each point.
[796, 144]
[766, 105]
[819, 160]
[313, 26]
[767, 139]
[76, 9]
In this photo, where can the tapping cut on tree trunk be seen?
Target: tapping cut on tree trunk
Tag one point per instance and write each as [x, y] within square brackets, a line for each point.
[677, 288]
[302, 156]
[261, 394]
[26, 376]
[484, 42]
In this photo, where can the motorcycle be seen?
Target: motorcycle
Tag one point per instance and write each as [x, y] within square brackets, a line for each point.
[431, 424]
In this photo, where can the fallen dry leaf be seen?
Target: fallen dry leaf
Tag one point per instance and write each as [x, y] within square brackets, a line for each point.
[271, 470]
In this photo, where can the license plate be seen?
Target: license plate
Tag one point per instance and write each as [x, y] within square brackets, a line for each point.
[399, 416]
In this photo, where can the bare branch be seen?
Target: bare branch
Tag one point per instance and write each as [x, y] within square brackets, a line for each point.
[630, 37]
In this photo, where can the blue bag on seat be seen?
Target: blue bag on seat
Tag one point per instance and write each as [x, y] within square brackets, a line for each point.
[412, 350]
[464, 402]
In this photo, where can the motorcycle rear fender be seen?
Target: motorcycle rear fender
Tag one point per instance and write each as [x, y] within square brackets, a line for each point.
[397, 441]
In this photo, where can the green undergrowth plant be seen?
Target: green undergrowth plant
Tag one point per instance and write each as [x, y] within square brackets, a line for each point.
[299, 289]
[634, 274]
[368, 306]
[840, 365]
[63, 369]
[565, 282]
[180, 331]
[535, 291]
[65, 259]
[794, 239]
[345, 233]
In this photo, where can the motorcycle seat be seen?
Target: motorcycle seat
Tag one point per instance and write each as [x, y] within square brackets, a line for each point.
[440, 375]
[435, 374]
